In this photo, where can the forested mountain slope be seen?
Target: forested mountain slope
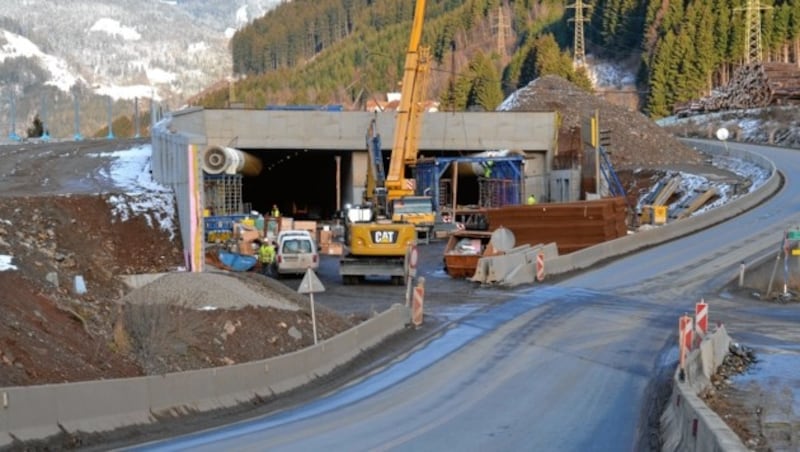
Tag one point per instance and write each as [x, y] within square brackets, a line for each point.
[347, 51]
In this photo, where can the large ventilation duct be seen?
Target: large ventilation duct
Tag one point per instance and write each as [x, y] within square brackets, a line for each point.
[220, 159]
[477, 169]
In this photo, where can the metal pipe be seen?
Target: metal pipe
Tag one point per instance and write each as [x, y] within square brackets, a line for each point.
[220, 159]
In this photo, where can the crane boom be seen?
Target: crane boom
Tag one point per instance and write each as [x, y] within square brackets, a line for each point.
[409, 113]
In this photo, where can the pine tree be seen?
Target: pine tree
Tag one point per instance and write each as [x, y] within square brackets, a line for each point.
[37, 129]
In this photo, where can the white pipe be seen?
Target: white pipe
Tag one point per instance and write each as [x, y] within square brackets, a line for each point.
[220, 159]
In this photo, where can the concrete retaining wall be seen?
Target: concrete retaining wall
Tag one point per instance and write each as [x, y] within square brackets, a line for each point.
[36, 412]
[589, 256]
[687, 424]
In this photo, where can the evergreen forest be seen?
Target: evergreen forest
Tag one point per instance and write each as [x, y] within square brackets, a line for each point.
[349, 51]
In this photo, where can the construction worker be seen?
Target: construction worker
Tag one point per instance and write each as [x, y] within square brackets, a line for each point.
[487, 169]
[266, 256]
[275, 211]
[531, 199]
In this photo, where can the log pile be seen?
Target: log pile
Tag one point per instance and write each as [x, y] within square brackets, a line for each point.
[752, 86]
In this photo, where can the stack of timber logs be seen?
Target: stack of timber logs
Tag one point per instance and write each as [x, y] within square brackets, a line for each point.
[572, 226]
[752, 86]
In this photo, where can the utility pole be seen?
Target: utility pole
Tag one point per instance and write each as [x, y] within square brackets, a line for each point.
[136, 116]
[752, 45]
[579, 56]
[501, 28]
[77, 114]
[110, 135]
[45, 133]
[12, 132]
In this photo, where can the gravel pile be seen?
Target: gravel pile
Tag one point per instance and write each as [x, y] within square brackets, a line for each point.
[636, 141]
[208, 290]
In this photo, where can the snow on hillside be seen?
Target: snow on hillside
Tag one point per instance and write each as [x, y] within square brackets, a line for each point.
[118, 46]
[114, 28]
[18, 46]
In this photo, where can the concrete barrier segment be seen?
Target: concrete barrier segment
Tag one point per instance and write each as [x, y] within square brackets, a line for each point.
[522, 274]
[589, 256]
[38, 412]
[687, 423]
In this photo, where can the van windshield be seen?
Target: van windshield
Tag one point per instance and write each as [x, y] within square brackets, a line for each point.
[296, 246]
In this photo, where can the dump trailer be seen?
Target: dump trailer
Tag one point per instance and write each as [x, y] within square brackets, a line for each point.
[374, 247]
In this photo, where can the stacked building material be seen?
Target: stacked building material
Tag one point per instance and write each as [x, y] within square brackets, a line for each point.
[572, 226]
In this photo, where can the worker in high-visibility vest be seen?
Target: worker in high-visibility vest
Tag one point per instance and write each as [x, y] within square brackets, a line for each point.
[275, 211]
[487, 169]
[266, 256]
[531, 199]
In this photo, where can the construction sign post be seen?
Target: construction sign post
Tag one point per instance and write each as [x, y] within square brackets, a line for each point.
[540, 267]
[701, 319]
[309, 285]
[416, 306]
[412, 257]
[684, 339]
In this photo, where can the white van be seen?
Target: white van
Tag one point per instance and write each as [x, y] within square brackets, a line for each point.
[295, 254]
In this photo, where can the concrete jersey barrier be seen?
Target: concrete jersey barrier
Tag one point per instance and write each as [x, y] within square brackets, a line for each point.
[687, 422]
[38, 412]
[589, 256]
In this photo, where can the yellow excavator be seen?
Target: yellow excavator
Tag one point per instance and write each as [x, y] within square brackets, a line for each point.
[379, 232]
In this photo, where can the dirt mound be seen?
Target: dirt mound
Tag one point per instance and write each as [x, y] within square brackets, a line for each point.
[52, 333]
[208, 291]
[636, 141]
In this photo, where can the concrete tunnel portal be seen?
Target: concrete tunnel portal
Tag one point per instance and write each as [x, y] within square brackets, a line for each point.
[303, 183]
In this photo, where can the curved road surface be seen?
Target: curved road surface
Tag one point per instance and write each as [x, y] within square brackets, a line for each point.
[568, 366]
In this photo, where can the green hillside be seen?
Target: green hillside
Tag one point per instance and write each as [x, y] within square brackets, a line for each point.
[349, 51]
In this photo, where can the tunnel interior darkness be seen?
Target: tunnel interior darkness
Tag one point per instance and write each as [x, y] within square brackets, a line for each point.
[301, 182]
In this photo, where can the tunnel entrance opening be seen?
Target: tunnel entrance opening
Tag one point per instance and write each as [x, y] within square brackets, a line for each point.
[302, 183]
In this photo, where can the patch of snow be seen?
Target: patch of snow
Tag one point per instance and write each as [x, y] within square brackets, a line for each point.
[126, 92]
[692, 184]
[750, 126]
[510, 102]
[156, 75]
[241, 16]
[130, 171]
[114, 28]
[609, 74]
[198, 47]
[18, 46]
[5, 263]
[229, 32]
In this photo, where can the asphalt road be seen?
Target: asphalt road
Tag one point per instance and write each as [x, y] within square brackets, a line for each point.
[564, 366]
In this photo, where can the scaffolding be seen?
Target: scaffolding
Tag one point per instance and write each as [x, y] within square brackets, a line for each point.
[223, 194]
[498, 192]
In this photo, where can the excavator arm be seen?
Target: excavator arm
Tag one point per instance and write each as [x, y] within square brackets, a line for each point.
[376, 176]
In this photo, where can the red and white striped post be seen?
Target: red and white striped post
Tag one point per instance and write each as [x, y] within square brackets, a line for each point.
[416, 305]
[684, 339]
[701, 319]
[540, 267]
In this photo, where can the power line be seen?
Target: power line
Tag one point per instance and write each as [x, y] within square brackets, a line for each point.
[579, 55]
[752, 46]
